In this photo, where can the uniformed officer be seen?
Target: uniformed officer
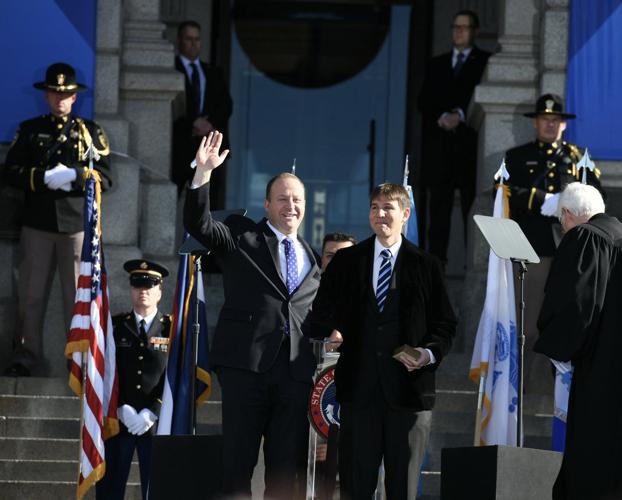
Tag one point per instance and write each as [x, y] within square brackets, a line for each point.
[539, 170]
[47, 162]
[141, 340]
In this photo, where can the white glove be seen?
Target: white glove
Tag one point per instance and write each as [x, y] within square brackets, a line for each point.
[126, 414]
[58, 176]
[549, 207]
[49, 174]
[143, 422]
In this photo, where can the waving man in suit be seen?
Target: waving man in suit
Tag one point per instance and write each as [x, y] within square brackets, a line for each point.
[263, 362]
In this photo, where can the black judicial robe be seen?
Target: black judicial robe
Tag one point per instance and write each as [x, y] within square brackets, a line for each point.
[581, 321]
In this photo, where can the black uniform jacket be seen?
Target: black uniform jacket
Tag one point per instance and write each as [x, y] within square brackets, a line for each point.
[39, 145]
[252, 322]
[535, 169]
[141, 365]
[426, 318]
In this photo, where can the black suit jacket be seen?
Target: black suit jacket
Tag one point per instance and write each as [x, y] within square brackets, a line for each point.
[443, 92]
[141, 366]
[426, 318]
[217, 108]
[251, 325]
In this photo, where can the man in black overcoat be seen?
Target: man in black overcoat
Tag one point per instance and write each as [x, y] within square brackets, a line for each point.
[264, 364]
[208, 108]
[449, 145]
[380, 295]
[580, 323]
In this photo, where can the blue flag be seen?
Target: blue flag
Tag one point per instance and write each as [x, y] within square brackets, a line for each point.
[175, 417]
[411, 229]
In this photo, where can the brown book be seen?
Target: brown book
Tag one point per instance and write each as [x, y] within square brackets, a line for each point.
[406, 352]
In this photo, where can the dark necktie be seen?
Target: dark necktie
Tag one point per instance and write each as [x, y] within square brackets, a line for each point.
[384, 278]
[142, 333]
[196, 89]
[291, 280]
[459, 63]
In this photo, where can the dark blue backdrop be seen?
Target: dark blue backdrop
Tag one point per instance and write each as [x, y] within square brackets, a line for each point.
[33, 35]
[594, 85]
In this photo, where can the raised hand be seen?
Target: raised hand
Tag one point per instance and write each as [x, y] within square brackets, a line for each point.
[208, 158]
[208, 155]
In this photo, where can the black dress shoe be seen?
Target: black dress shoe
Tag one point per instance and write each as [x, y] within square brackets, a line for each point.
[17, 370]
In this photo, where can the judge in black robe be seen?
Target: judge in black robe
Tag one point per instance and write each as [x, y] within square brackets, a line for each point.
[581, 322]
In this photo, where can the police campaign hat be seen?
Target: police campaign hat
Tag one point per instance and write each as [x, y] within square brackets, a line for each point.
[550, 104]
[60, 77]
[145, 274]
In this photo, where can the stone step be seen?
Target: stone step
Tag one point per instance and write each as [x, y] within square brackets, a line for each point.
[430, 485]
[54, 490]
[48, 470]
[68, 407]
[464, 422]
[42, 405]
[31, 386]
[62, 428]
[38, 449]
[57, 386]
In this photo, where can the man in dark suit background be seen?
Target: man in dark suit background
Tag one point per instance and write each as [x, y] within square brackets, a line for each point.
[208, 108]
[379, 295]
[449, 146]
[263, 362]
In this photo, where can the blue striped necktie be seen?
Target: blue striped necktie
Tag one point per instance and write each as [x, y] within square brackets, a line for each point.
[384, 278]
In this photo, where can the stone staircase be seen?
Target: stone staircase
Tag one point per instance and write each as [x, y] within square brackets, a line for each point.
[39, 429]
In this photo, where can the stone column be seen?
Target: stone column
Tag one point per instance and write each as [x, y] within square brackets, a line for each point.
[554, 47]
[148, 85]
[509, 88]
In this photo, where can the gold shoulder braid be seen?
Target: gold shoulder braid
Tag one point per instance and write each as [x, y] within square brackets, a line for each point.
[103, 141]
[88, 140]
[574, 152]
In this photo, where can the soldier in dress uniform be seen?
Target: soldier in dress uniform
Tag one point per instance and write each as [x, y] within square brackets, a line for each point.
[141, 340]
[539, 170]
[47, 161]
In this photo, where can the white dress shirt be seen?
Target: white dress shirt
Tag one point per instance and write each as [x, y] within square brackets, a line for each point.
[302, 259]
[188, 67]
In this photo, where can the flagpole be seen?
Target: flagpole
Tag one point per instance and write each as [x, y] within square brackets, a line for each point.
[196, 328]
[80, 440]
[91, 153]
[480, 404]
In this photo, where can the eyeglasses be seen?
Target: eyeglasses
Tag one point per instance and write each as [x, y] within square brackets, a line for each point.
[460, 27]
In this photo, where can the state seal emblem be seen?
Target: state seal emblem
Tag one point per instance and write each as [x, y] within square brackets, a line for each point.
[323, 405]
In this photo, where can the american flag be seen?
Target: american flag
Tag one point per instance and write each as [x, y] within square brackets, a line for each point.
[90, 345]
